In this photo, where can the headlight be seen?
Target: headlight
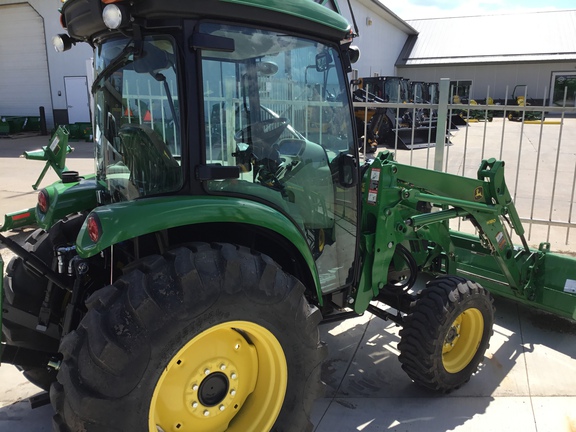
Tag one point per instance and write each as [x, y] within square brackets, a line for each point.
[114, 16]
[62, 42]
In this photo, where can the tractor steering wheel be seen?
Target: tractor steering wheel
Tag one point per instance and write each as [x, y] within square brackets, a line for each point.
[262, 132]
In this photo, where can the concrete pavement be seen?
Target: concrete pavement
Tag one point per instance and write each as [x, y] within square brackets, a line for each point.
[526, 383]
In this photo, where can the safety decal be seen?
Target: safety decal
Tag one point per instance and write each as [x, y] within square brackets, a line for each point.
[54, 145]
[501, 239]
[570, 286]
[373, 188]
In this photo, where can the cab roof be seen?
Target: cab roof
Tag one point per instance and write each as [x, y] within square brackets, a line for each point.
[83, 18]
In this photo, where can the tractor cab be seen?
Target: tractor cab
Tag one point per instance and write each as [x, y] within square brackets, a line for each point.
[223, 109]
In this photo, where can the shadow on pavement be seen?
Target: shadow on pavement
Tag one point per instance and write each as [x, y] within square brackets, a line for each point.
[368, 389]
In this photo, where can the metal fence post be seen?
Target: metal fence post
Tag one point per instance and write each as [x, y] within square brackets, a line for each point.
[443, 100]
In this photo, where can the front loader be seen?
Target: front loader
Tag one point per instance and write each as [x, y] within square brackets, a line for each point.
[180, 287]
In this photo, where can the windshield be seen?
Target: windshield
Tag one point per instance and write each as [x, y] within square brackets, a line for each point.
[396, 90]
[137, 132]
[277, 107]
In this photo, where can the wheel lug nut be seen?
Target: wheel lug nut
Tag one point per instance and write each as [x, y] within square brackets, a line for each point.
[232, 392]
[195, 387]
[206, 413]
[222, 407]
[207, 371]
[233, 376]
[194, 404]
[222, 367]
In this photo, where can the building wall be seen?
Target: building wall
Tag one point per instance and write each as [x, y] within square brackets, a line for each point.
[24, 85]
[60, 65]
[495, 80]
[380, 42]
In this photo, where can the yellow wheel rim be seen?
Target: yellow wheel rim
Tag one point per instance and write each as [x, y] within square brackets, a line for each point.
[231, 377]
[462, 340]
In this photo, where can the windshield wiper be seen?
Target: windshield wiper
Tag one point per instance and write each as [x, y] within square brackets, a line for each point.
[161, 78]
[119, 61]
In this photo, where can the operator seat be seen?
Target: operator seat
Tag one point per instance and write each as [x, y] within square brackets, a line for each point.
[153, 169]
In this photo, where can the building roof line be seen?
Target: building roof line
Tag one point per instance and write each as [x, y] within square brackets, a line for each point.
[489, 56]
[492, 15]
[395, 20]
[485, 38]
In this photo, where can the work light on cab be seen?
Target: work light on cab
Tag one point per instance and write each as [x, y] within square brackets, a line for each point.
[115, 16]
[62, 42]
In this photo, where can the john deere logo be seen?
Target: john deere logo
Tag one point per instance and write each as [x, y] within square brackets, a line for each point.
[478, 193]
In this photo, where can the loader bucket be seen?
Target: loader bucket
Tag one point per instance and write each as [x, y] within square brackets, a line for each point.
[415, 138]
[456, 121]
[556, 280]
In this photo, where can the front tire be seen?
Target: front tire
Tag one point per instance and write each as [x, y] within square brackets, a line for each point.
[205, 338]
[446, 335]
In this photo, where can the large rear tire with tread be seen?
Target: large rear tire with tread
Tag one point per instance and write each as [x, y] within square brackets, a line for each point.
[446, 335]
[205, 338]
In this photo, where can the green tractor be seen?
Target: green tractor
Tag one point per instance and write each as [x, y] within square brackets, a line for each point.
[180, 287]
[519, 97]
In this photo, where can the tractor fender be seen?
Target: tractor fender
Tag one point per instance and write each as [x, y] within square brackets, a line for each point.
[123, 221]
[65, 198]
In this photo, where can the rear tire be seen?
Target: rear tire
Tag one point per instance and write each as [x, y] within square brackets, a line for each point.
[205, 338]
[25, 290]
[445, 337]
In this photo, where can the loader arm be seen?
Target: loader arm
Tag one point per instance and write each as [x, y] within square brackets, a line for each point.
[398, 201]
[485, 202]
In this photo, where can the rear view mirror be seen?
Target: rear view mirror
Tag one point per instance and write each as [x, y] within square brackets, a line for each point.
[152, 60]
[323, 61]
[347, 170]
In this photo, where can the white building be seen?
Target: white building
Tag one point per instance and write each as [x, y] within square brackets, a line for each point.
[497, 51]
[494, 53]
[382, 36]
[32, 73]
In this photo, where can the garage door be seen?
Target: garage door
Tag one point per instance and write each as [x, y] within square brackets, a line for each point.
[24, 84]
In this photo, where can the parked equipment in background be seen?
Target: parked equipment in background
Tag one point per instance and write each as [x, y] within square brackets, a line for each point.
[54, 154]
[425, 93]
[520, 98]
[403, 128]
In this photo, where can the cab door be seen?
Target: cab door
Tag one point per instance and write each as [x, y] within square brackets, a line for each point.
[277, 106]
